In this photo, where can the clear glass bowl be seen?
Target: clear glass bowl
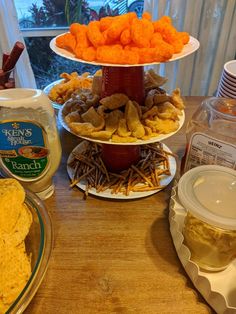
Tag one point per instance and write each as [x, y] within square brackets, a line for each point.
[39, 244]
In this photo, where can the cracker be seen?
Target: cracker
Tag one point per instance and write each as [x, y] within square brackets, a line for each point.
[15, 272]
[15, 221]
[12, 196]
[20, 230]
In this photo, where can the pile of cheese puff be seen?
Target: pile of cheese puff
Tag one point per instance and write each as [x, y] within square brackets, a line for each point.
[124, 39]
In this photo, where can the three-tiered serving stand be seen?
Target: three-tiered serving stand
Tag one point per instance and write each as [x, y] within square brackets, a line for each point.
[127, 79]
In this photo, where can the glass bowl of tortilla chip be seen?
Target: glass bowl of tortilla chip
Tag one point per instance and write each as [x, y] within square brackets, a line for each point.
[38, 246]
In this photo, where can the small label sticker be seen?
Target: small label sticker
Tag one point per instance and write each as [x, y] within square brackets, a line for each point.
[206, 150]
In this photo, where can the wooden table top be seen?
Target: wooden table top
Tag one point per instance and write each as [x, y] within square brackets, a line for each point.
[114, 256]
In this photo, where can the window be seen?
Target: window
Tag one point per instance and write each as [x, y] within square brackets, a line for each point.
[41, 20]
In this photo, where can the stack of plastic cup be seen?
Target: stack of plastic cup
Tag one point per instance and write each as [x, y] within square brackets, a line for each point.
[227, 84]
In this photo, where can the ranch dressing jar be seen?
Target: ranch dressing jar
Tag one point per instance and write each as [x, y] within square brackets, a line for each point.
[211, 135]
[30, 149]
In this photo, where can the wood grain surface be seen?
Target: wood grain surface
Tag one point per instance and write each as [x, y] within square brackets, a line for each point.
[114, 256]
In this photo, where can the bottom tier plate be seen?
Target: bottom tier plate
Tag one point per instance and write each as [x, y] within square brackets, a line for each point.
[133, 195]
[217, 288]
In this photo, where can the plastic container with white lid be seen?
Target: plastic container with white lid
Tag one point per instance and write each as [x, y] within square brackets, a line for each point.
[208, 193]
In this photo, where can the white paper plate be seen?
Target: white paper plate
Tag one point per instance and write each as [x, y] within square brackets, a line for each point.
[217, 288]
[188, 49]
[155, 139]
[107, 194]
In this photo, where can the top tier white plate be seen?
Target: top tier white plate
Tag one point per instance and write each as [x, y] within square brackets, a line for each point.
[188, 49]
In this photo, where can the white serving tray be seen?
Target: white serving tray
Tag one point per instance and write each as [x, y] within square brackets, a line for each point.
[217, 288]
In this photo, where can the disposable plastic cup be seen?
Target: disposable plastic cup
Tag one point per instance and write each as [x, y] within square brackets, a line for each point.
[228, 78]
[230, 68]
[226, 91]
[228, 85]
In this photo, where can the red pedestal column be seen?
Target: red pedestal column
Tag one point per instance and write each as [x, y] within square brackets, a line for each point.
[127, 80]
[130, 81]
[120, 157]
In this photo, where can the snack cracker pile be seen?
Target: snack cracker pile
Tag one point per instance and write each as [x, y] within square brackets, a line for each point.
[124, 39]
[71, 82]
[117, 118]
[15, 222]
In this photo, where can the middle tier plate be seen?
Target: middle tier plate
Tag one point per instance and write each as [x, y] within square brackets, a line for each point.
[155, 139]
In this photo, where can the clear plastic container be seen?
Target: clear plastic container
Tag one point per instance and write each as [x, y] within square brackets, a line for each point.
[30, 149]
[211, 135]
[208, 194]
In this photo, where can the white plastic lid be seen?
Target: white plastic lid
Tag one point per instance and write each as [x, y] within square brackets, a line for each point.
[25, 97]
[209, 193]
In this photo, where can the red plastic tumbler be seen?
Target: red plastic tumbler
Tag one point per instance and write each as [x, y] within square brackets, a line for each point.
[127, 80]
[130, 81]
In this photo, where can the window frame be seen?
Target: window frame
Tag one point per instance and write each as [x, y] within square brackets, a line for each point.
[43, 31]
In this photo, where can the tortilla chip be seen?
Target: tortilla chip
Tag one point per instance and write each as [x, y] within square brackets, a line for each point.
[123, 129]
[91, 116]
[101, 135]
[114, 101]
[83, 129]
[119, 139]
[133, 121]
[112, 120]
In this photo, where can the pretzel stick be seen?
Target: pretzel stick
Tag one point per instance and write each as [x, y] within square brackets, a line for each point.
[147, 188]
[104, 168]
[80, 178]
[142, 175]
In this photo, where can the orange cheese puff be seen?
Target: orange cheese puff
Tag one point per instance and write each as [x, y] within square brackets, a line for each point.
[168, 32]
[156, 39]
[149, 55]
[74, 28]
[147, 16]
[146, 55]
[108, 40]
[117, 26]
[125, 37]
[60, 41]
[184, 36]
[141, 32]
[89, 54]
[131, 46]
[105, 22]
[177, 45]
[110, 54]
[130, 57]
[82, 37]
[159, 55]
[131, 16]
[164, 50]
[94, 34]
[166, 19]
[78, 51]
[69, 42]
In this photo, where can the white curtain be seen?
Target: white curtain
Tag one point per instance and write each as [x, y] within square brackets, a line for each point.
[213, 23]
[9, 34]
